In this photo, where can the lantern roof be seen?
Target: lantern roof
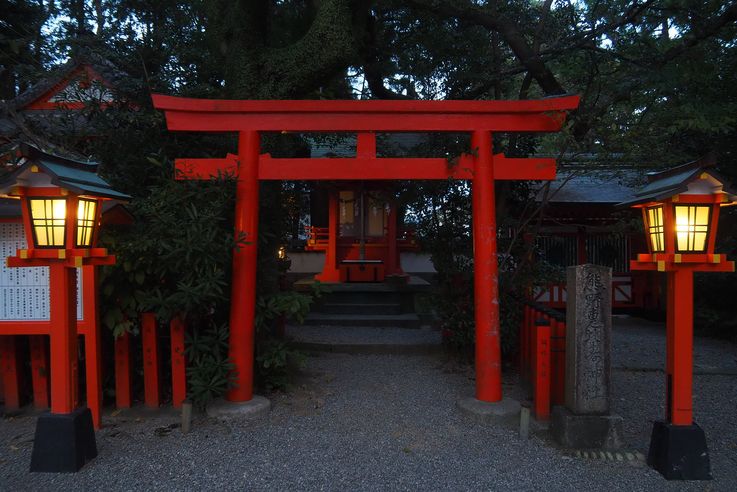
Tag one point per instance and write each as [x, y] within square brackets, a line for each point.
[682, 179]
[77, 176]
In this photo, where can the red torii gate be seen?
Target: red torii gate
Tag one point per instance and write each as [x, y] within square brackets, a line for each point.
[480, 118]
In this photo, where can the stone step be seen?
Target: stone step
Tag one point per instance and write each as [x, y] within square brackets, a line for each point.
[360, 308]
[363, 340]
[409, 320]
[351, 297]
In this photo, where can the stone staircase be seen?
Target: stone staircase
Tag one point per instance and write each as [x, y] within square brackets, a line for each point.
[366, 318]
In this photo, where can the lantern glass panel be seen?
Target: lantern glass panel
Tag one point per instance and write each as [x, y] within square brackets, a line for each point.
[48, 217]
[86, 214]
[692, 227]
[655, 229]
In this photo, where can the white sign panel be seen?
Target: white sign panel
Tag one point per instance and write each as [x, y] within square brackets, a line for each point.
[24, 292]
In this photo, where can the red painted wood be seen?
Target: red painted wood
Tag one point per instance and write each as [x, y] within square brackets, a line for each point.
[178, 362]
[92, 343]
[486, 287]
[63, 316]
[25, 327]
[384, 168]
[362, 272]
[212, 115]
[151, 369]
[679, 377]
[356, 108]
[123, 371]
[541, 385]
[39, 371]
[392, 253]
[366, 145]
[11, 372]
[330, 272]
[243, 307]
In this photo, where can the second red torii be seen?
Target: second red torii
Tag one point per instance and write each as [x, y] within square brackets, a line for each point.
[366, 118]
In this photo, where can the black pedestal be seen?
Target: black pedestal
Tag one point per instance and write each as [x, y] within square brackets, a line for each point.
[679, 452]
[63, 442]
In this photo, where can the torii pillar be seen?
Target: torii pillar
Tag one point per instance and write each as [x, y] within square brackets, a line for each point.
[486, 283]
[243, 308]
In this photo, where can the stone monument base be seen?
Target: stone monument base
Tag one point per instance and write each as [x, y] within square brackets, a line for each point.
[505, 412]
[679, 452]
[586, 431]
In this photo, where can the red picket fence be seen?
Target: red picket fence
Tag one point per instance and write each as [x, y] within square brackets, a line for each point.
[542, 358]
[16, 356]
[151, 349]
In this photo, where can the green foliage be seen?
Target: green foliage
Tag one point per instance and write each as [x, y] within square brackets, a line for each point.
[276, 361]
[208, 366]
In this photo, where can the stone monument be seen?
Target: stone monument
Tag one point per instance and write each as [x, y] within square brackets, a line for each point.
[585, 420]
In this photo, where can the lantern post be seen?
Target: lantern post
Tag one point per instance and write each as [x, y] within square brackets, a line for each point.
[61, 203]
[680, 209]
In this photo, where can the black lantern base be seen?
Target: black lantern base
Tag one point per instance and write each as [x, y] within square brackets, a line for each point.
[679, 452]
[64, 442]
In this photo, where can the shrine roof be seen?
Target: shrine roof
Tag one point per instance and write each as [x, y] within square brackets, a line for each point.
[601, 186]
[101, 66]
[76, 175]
[665, 184]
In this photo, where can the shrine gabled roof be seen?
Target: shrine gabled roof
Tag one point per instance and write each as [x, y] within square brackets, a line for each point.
[75, 175]
[596, 186]
[105, 69]
[671, 182]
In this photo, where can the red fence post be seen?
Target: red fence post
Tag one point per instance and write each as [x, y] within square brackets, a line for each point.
[92, 344]
[10, 372]
[152, 393]
[178, 363]
[542, 370]
[558, 361]
[523, 343]
[123, 371]
[39, 370]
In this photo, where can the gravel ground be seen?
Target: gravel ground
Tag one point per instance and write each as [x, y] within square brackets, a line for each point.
[367, 422]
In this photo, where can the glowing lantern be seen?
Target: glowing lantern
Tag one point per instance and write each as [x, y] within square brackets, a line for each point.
[61, 203]
[680, 209]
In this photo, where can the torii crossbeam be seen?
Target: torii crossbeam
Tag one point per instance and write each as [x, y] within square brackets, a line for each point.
[480, 118]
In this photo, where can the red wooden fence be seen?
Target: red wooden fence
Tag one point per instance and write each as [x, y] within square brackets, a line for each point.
[542, 356]
[13, 360]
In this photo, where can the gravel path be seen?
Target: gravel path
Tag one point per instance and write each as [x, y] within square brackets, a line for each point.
[368, 422]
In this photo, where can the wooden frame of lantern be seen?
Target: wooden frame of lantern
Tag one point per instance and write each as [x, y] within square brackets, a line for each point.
[61, 209]
[680, 209]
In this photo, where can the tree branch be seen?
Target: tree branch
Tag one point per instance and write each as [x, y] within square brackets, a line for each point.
[507, 29]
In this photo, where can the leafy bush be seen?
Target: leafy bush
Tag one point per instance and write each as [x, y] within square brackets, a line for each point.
[208, 369]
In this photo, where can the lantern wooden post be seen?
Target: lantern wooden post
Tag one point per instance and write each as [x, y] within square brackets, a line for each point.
[63, 317]
[679, 373]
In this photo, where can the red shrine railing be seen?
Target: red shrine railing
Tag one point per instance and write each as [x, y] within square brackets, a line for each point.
[158, 347]
[318, 237]
[542, 356]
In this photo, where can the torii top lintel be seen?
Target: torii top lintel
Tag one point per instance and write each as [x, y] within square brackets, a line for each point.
[219, 115]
